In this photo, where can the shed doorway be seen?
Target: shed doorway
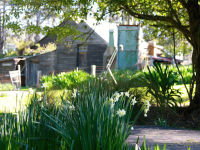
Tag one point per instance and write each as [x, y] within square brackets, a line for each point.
[82, 57]
[34, 67]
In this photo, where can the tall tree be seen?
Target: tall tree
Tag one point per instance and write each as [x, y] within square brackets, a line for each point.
[3, 17]
[181, 16]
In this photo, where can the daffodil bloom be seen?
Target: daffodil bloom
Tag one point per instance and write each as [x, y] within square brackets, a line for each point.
[72, 107]
[112, 105]
[116, 98]
[121, 113]
[133, 101]
[127, 94]
[146, 110]
[116, 94]
[39, 93]
[148, 104]
[39, 99]
[75, 90]
[145, 115]
[31, 90]
[122, 93]
[44, 85]
[111, 99]
[74, 95]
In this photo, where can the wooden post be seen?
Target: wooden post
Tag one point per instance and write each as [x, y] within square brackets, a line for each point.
[39, 76]
[93, 70]
[19, 69]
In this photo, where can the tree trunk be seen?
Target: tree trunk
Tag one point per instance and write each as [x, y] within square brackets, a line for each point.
[195, 103]
[196, 98]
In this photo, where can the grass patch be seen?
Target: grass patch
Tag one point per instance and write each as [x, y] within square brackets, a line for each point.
[24, 88]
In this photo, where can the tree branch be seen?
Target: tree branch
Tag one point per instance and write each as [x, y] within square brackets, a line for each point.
[157, 18]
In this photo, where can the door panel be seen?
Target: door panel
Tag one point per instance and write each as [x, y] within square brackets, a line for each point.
[128, 37]
[82, 61]
[33, 73]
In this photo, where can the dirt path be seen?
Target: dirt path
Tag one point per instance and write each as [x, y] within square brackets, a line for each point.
[175, 138]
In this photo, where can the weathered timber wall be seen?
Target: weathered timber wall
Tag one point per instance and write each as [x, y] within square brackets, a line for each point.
[6, 69]
[95, 55]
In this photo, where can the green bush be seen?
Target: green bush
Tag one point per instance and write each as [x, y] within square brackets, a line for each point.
[66, 80]
[159, 82]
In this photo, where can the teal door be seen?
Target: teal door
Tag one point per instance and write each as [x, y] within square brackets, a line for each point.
[128, 37]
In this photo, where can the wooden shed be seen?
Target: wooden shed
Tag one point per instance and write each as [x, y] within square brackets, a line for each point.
[10, 64]
[67, 58]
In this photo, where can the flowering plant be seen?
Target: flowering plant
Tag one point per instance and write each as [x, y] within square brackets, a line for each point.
[97, 117]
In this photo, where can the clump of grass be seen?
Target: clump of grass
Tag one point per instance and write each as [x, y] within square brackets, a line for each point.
[6, 87]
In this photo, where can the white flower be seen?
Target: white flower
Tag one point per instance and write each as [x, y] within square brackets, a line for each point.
[148, 104]
[116, 99]
[44, 85]
[75, 90]
[133, 101]
[122, 93]
[112, 105]
[72, 107]
[111, 100]
[39, 99]
[68, 102]
[132, 128]
[115, 94]
[74, 95]
[31, 90]
[39, 93]
[127, 94]
[66, 90]
[145, 111]
[121, 113]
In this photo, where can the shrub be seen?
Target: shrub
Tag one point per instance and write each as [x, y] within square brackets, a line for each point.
[66, 80]
[159, 82]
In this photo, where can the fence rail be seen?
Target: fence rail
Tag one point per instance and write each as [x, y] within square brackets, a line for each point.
[5, 78]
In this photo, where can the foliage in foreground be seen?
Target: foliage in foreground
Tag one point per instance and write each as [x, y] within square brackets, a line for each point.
[91, 119]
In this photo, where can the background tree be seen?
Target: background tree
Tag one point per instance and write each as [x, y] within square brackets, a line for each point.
[180, 16]
[183, 47]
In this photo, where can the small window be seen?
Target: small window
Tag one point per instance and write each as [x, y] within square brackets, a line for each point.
[6, 64]
[83, 48]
